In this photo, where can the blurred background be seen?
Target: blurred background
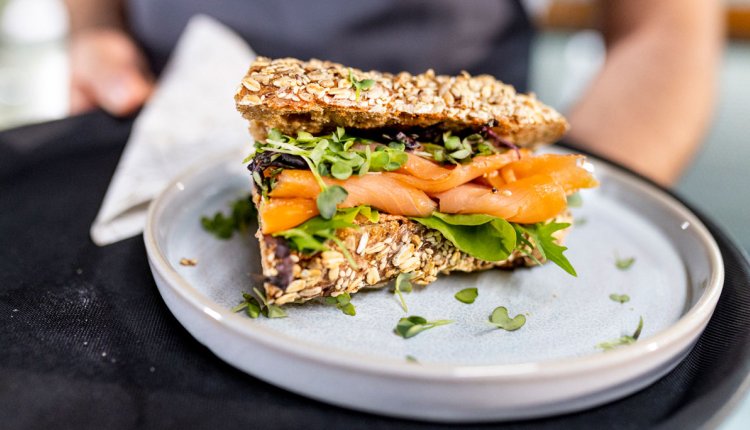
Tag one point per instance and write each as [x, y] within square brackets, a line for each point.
[566, 54]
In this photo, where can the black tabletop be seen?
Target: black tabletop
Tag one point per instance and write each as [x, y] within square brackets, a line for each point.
[86, 341]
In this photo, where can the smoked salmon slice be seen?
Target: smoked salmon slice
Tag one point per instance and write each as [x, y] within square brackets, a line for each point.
[526, 190]
[284, 213]
[566, 170]
[372, 189]
[529, 200]
[458, 175]
[423, 168]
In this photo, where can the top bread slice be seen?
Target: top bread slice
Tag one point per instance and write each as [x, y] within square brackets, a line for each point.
[318, 96]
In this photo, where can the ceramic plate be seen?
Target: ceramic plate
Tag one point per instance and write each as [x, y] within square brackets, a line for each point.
[467, 371]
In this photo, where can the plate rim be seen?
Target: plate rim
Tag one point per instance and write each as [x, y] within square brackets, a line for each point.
[690, 324]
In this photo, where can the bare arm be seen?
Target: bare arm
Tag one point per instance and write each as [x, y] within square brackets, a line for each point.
[107, 68]
[652, 102]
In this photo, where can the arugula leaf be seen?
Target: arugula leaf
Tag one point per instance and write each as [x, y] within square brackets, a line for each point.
[624, 263]
[541, 236]
[481, 236]
[620, 298]
[623, 340]
[402, 285]
[223, 226]
[329, 198]
[343, 303]
[413, 325]
[500, 319]
[467, 295]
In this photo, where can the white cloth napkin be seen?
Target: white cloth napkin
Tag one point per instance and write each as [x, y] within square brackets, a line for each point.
[190, 116]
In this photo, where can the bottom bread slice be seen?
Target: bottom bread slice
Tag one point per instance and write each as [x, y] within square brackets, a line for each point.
[381, 251]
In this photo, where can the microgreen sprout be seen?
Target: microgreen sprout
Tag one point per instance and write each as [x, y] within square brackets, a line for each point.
[500, 319]
[623, 340]
[467, 295]
[413, 325]
[619, 298]
[359, 85]
[328, 200]
[269, 310]
[342, 303]
[624, 263]
[256, 305]
[403, 285]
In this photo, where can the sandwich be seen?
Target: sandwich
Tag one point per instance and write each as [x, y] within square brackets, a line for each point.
[360, 177]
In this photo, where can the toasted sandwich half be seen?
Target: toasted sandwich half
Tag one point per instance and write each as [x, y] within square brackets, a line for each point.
[361, 176]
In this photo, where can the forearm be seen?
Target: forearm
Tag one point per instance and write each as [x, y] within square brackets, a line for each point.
[94, 14]
[652, 102]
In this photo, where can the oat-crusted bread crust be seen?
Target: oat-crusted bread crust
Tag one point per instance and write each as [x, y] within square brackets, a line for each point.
[316, 96]
[382, 250]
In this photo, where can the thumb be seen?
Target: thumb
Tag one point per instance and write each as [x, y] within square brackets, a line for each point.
[122, 91]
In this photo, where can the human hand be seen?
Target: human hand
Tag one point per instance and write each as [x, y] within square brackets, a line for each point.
[107, 70]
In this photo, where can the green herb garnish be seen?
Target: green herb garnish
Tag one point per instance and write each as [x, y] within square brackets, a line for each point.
[223, 226]
[343, 303]
[334, 154]
[402, 285]
[364, 84]
[623, 340]
[250, 305]
[258, 305]
[467, 295]
[412, 359]
[624, 263]
[620, 298]
[411, 326]
[269, 311]
[500, 319]
[456, 150]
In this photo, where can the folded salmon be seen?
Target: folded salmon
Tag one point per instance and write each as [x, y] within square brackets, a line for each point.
[360, 176]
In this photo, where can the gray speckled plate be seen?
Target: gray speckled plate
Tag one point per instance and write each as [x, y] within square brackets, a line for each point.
[466, 371]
